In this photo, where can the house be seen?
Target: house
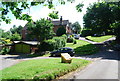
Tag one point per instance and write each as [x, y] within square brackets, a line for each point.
[57, 23]
[65, 23]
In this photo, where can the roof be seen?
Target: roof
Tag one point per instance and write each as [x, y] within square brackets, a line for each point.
[27, 42]
[57, 22]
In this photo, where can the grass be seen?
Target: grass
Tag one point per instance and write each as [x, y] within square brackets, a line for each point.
[83, 47]
[41, 69]
[99, 39]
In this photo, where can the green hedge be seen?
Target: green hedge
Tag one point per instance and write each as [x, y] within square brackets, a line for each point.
[48, 45]
[53, 44]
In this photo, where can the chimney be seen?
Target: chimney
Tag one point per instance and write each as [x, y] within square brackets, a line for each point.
[61, 20]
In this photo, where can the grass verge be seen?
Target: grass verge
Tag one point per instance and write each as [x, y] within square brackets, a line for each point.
[42, 69]
[83, 47]
[99, 39]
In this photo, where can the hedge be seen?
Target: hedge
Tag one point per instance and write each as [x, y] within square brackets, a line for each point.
[53, 44]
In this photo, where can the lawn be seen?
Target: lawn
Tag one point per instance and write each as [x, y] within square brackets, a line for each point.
[83, 47]
[42, 69]
[99, 39]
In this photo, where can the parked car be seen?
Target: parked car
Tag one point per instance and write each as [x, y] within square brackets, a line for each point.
[63, 50]
[76, 36]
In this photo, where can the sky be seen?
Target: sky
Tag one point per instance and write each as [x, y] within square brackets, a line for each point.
[67, 11]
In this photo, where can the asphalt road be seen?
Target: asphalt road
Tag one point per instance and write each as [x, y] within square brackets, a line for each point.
[105, 68]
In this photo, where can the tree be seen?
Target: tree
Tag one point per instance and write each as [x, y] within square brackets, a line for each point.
[61, 31]
[16, 8]
[42, 29]
[76, 27]
[15, 37]
[16, 29]
[103, 17]
[4, 34]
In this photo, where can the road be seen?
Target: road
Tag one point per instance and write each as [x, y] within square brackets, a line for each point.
[106, 67]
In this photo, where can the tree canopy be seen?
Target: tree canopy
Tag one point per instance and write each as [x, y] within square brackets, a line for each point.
[61, 31]
[42, 29]
[16, 8]
[76, 27]
[100, 17]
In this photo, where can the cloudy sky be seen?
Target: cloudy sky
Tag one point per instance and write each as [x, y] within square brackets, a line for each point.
[67, 11]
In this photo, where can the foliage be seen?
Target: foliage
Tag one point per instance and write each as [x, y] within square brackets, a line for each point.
[16, 29]
[76, 27]
[4, 34]
[16, 8]
[70, 40]
[15, 37]
[61, 42]
[4, 50]
[74, 42]
[5, 41]
[79, 7]
[97, 20]
[42, 69]
[53, 44]
[41, 30]
[83, 48]
[61, 31]
[48, 45]
[116, 27]
[54, 15]
[99, 39]
[86, 32]
[65, 36]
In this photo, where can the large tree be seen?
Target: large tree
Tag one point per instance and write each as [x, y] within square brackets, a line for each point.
[103, 17]
[76, 27]
[42, 29]
[98, 18]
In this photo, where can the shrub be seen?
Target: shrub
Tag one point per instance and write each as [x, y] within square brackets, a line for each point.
[74, 42]
[61, 31]
[61, 42]
[48, 45]
[53, 44]
[4, 50]
[65, 36]
[70, 40]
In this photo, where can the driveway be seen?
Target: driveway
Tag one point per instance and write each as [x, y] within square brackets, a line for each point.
[4, 63]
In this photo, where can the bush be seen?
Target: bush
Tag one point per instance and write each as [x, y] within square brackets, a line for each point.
[65, 36]
[53, 44]
[48, 45]
[70, 40]
[61, 31]
[4, 51]
[61, 42]
[74, 42]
